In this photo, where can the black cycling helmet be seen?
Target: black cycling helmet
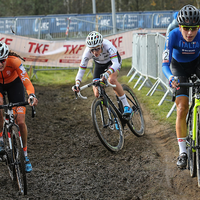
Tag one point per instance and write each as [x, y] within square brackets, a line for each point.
[189, 16]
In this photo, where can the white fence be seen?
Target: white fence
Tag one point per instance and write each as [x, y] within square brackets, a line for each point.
[147, 63]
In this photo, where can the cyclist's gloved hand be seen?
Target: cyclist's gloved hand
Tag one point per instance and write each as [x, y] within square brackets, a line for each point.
[105, 76]
[32, 100]
[76, 87]
[173, 82]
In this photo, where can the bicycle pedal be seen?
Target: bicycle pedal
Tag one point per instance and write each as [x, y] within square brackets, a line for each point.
[183, 168]
[126, 118]
[116, 126]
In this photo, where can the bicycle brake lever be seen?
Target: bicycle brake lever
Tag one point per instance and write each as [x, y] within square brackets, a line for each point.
[173, 94]
[76, 95]
[174, 89]
[33, 111]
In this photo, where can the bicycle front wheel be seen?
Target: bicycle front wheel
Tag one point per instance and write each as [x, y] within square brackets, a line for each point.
[136, 124]
[189, 145]
[8, 154]
[19, 161]
[197, 149]
[107, 125]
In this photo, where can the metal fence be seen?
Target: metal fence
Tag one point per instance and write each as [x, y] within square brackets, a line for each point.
[78, 26]
[147, 64]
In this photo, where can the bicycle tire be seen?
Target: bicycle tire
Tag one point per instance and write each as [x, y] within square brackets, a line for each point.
[19, 161]
[136, 124]
[197, 149]
[109, 130]
[189, 143]
[8, 154]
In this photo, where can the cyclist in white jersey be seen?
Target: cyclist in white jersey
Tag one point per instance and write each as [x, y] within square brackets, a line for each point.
[107, 66]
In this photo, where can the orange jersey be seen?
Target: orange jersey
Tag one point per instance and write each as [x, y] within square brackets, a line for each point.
[13, 69]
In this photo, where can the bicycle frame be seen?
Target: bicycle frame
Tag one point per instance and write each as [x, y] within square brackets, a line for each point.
[14, 155]
[106, 99]
[119, 113]
[9, 122]
[195, 112]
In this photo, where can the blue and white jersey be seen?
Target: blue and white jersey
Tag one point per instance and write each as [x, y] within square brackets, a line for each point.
[178, 48]
[109, 53]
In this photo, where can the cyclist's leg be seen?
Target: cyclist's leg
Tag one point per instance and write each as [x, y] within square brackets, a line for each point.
[181, 127]
[120, 93]
[1, 103]
[98, 70]
[182, 71]
[182, 106]
[20, 119]
[1, 121]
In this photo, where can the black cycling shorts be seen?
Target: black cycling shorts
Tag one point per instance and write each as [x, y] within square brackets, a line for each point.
[102, 68]
[183, 71]
[15, 91]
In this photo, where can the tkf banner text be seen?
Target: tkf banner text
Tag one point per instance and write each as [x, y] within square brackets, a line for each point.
[63, 53]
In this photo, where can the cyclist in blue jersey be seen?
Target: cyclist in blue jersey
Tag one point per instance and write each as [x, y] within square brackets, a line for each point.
[182, 51]
[107, 65]
[174, 24]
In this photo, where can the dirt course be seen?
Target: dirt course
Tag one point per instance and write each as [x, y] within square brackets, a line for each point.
[69, 162]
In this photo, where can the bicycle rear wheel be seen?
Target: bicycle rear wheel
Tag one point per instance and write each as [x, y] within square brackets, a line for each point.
[136, 124]
[19, 161]
[189, 143]
[107, 125]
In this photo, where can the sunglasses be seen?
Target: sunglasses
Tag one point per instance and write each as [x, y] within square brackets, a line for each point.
[97, 49]
[190, 28]
[3, 61]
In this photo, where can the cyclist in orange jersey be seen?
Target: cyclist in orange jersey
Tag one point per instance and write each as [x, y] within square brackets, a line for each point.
[13, 79]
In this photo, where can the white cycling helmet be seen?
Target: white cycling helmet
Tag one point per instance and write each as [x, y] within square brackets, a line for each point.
[94, 39]
[4, 51]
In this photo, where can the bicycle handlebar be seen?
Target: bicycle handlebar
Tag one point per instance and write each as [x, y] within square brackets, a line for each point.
[11, 105]
[89, 85]
[195, 84]
[190, 84]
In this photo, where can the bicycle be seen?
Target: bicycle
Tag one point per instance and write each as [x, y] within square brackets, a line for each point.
[108, 119]
[193, 128]
[14, 154]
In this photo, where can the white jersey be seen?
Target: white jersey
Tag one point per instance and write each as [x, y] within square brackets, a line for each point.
[109, 53]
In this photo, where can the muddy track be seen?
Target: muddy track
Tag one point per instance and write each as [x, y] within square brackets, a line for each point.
[69, 162]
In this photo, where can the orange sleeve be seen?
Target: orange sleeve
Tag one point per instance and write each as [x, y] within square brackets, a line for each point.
[25, 79]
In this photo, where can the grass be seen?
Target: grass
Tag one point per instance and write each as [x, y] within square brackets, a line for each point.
[61, 77]
[151, 102]
[57, 77]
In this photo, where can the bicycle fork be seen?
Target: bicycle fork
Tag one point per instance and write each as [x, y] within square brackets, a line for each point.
[110, 122]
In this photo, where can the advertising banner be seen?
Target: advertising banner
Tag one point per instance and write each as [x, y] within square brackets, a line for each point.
[63, 53]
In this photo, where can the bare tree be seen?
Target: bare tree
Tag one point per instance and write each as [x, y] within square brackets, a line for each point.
[44, 7]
